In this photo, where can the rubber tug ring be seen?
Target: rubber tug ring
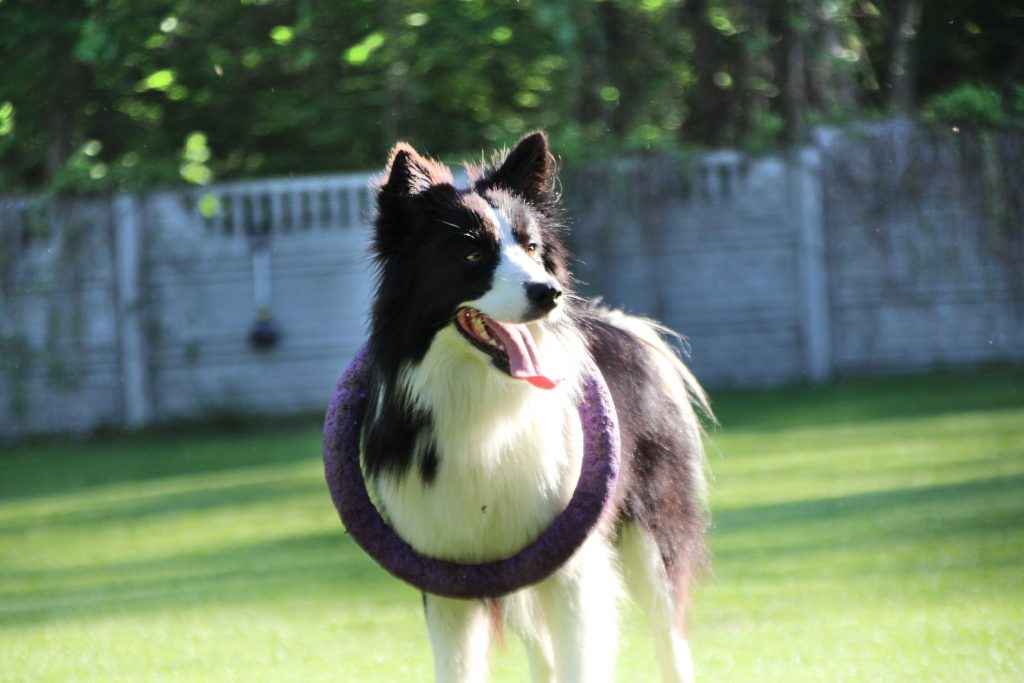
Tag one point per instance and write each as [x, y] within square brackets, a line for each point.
[492, 579]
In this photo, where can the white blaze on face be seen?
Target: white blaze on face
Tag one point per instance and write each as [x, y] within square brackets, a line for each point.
[497, 320]
[506, 301]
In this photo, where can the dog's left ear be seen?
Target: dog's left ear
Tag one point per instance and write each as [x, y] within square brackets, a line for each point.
[527, 170]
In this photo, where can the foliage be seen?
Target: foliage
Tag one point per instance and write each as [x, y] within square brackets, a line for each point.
[967, 104]
[117, 93]
[870, 530]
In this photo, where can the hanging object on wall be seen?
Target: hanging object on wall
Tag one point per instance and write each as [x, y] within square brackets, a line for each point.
[264, 333]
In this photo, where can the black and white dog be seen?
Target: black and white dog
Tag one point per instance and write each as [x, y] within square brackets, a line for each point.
[472, 442]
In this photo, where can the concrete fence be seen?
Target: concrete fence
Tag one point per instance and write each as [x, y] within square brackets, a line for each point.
[876, 251]
[729, 251]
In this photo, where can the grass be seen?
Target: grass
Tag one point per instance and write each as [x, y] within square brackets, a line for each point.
[867, 531]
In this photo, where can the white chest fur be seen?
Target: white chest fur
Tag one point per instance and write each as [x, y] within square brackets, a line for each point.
[508, 454]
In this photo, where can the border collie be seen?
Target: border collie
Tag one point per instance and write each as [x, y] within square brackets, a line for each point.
[472, 442]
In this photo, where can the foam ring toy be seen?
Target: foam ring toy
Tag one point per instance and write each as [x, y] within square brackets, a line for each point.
[491, 579]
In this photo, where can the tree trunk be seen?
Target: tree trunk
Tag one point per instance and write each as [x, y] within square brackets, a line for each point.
[832, 78]
[396, 72]
[907, 17]
[751, 104]
[707, 106]
[63, 114]
[794, 89]
[592, 50]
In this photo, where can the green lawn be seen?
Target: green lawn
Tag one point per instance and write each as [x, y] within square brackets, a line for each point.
[869, 531]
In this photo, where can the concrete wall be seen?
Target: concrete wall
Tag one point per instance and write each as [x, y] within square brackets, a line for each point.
[717, 251]
[131, 309]
[875, 251]
[60, 361]
[200, 294]
[925, 234]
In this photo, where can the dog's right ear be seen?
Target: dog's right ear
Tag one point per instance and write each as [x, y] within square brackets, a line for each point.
[406, 186]
[407, 173]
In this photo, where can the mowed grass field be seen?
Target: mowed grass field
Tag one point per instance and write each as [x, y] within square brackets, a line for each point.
[868, 531]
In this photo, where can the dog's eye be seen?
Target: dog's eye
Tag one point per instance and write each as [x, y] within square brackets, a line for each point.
[532, 249]
[474, 256]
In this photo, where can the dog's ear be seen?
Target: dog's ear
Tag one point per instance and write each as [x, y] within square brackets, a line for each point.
[405, 176]
[409, 184]
[407, 173]
[527, 170]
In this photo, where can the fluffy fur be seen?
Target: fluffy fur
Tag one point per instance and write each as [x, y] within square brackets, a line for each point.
[473, 445]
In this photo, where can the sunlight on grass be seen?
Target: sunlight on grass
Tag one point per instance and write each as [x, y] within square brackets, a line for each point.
[868, 531]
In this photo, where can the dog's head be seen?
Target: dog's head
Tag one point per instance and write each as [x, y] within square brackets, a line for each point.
[486, 259]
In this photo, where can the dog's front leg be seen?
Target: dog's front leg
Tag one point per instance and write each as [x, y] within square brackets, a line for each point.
[460, 634]
[581, 608]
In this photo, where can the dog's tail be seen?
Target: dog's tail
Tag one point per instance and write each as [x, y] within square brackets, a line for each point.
[679, 381]
[656, 336]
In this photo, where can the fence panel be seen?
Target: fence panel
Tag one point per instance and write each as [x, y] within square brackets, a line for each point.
[59, 347]
[710, 248]
[202, 282]
[925, 247]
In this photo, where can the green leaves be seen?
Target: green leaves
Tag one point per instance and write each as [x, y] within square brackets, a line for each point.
[6, 118]
[307, 86]
[94, 45]
[968, 104]
[194, 157]
[158, 80]
[360, 52]
[282, 35]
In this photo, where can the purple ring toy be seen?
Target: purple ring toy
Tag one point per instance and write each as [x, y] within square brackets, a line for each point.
[538, 560]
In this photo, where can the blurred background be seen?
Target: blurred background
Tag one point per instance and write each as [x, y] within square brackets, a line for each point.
[129, 95]
[803, 189]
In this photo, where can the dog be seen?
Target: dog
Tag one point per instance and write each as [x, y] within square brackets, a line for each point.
[472, 443]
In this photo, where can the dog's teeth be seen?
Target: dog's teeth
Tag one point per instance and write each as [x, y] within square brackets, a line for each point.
[475, 319]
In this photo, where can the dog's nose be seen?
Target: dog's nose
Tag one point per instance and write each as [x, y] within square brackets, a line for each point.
[543, 295]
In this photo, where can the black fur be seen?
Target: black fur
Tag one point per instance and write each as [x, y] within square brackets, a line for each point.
[392, 440]
[660, 451]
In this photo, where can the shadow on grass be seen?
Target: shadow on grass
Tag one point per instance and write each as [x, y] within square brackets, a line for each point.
[327, 564]
[330, 564]
[961, 513]
[55, 466]
[45, 466]
[871, 399]
[141, 507]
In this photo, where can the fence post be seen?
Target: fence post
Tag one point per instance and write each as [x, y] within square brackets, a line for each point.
[808, 207]
[131, 336]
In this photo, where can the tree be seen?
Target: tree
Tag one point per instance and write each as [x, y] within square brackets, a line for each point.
[136, 93]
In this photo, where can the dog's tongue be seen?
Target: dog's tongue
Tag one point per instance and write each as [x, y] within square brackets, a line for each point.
[522, 355]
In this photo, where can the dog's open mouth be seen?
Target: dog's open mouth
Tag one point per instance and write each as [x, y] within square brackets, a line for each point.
[510, 346]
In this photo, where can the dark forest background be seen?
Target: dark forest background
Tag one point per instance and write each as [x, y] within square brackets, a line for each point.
[128, 94]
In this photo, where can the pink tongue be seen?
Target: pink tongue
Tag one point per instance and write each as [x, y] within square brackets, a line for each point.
[522, 354]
